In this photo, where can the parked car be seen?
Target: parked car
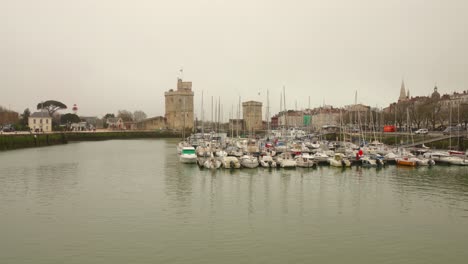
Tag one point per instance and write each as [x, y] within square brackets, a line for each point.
[8, 128]
[422, 131]
[451, 130]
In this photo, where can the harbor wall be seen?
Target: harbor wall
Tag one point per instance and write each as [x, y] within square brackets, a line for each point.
[9, 142]
[401, 139]
[18, 141]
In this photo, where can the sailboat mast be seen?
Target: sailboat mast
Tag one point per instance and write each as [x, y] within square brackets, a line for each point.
[238, 117]
[355, 112]
[285, 109]
[211, 126]
[458, 122]
[268, 113]
[202, 116]
[184, 113]
[341, 126]
[232, 125]
[215, 115]
[310, 116]
[219, 112]
[396, 143]
[450, 125]
[281, 109]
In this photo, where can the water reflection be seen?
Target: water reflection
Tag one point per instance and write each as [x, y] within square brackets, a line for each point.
[178, 181]
[48, 182]
[146, 207]
[53, 180]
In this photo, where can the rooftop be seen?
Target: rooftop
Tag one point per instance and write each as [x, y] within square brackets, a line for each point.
[40, 114]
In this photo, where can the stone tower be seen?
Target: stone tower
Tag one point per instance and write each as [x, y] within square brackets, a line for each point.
[179, 106]
[252, 113]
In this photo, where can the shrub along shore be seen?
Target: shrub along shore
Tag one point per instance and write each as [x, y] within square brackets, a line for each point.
[17, 141]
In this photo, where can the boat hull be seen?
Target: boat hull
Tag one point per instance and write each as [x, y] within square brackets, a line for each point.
[188, 159]
[406, 162]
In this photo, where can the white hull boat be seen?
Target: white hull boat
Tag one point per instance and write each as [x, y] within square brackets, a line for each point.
[339, 161]
[230, 162]
[212, 163]
[188, 155]
[249, 161]
[285, 160]
[368, 162]
[267, 162]
[305, 161]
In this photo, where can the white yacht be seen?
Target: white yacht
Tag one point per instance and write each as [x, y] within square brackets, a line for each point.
[188, 155]
[249, 161]
[267, 162]
[305, 161]
[285, 160]
[230, 162]
[339, 160]
[212, 163]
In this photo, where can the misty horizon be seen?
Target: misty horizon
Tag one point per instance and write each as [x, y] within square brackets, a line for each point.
[107, 56]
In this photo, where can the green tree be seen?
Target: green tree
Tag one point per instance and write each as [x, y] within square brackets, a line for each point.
[104, 119]
[25, 117]
[108, 115]
[69, 118]
[51, 106]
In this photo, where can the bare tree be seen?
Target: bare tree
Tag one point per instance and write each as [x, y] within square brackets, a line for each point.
[139, 115]
[125, 115]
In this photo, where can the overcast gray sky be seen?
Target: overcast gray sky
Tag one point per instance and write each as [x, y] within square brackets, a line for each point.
[106, 55]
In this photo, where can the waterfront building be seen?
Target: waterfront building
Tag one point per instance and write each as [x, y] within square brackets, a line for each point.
[454, 99]
[80, 126]
[179, 106]
[8, 117]
[40, 122]
[291, 118]
[130, 125]
[115, 123]
[252, 114]
[274, 124]
[325, 117]
[92, 121]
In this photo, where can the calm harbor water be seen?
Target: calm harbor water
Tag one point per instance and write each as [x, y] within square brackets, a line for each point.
[132, 202]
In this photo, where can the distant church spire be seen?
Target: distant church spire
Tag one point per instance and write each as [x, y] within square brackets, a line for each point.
[402, 92]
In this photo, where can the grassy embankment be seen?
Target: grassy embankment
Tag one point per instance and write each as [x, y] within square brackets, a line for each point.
[95, 136]
[8, 142]
[17, 141]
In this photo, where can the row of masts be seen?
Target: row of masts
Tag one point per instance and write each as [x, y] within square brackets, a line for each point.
[355, 119]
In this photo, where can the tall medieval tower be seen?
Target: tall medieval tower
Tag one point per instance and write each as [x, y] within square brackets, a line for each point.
[252, 113]
[179, 106]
